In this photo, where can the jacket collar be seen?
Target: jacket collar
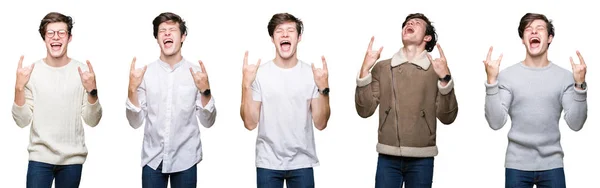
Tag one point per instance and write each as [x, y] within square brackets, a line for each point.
[420, 60]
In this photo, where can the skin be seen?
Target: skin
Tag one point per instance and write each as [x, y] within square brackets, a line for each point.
[285, 58]
[414, 40]
[56, 35]
[536, 55]
[171, 54]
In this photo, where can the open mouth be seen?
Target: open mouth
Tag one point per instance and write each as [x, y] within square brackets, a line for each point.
[168, 43]
[534, 42]
[56, 46]
[409, 30]
[285, 45]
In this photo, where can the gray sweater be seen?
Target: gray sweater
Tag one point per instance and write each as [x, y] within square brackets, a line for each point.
[534, 99]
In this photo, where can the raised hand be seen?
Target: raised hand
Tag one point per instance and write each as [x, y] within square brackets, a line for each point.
[440, 65]
[370, 58]
[136, 76]
[321, 75]
[88, 78]
[579, 70]
[200, 78]
[23, 74]
[492, 67]
[249, 71]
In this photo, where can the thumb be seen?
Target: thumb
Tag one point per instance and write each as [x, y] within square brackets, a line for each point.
[80, 72]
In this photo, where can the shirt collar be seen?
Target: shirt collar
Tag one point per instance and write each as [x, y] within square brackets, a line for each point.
[420, 60]
[167, 67]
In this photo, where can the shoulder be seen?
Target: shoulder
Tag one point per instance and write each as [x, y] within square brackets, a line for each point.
[563, 74]
[264, 66]
[379, 65]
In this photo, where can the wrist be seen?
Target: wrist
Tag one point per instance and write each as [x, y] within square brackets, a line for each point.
[19, 88]
[491, 80]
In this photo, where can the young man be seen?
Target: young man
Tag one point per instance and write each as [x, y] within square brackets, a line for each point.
[534, 93]
[411, 90]
[54, 97]
[169, 99]
[284, 95]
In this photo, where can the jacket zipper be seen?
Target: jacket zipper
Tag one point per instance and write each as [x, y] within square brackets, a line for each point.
[395, 107]
[387, 113]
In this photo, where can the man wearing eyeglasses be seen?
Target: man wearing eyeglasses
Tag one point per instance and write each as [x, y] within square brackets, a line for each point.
[53, 98]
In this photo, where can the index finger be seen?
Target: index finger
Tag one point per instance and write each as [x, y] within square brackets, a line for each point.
[371, 43]
[246, 58]
[21, 61]
[133, 64]
[324, 63]
[441, 51]
[89, 66]
[202, 66]
[489, 55]
[580, 58]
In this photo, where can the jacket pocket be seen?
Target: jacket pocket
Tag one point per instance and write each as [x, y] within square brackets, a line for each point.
[424, 118]
[385, 116]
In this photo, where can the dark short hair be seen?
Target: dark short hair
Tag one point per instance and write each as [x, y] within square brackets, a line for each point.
[429, 29]
[169, 17]
[54, 17]
[281, 18]
[530, 17]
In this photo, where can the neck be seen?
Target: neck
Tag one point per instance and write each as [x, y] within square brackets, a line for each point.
[171, 59]
[57, 61]
[536, 61]
[411, 51]
[287, 62]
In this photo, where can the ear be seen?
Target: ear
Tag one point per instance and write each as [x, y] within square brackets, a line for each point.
[299, 38]
[183, 38]
[70, 38]
[550, 39]
[427, 38]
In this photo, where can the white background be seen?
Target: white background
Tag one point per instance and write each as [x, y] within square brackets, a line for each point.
[109, 33]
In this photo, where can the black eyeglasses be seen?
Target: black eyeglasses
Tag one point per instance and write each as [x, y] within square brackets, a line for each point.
[61, 33]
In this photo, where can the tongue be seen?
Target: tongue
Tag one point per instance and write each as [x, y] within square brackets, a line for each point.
[285, 47]
[168, 44]
[55, 47]
[535, 44]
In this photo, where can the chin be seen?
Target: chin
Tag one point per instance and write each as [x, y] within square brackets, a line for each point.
[168, 52]
[56, 54]
[286, 55]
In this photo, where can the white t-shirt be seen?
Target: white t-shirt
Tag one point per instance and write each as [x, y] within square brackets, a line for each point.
[285, 131]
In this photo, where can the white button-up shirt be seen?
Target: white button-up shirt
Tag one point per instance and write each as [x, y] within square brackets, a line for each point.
[169, 104]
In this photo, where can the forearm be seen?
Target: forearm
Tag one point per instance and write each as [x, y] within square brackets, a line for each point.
[247, 110]
[495, 112]
[205, 99]
[132, 95]
[92, 99]
[21, 110]
[92, 111]
[365, 100]
[134, 112]
[19, 96]
[321, 112]
[207, 112]
[575, 106]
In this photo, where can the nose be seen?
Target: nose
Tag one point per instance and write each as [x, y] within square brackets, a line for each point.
[55, 37]
[285, 34]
